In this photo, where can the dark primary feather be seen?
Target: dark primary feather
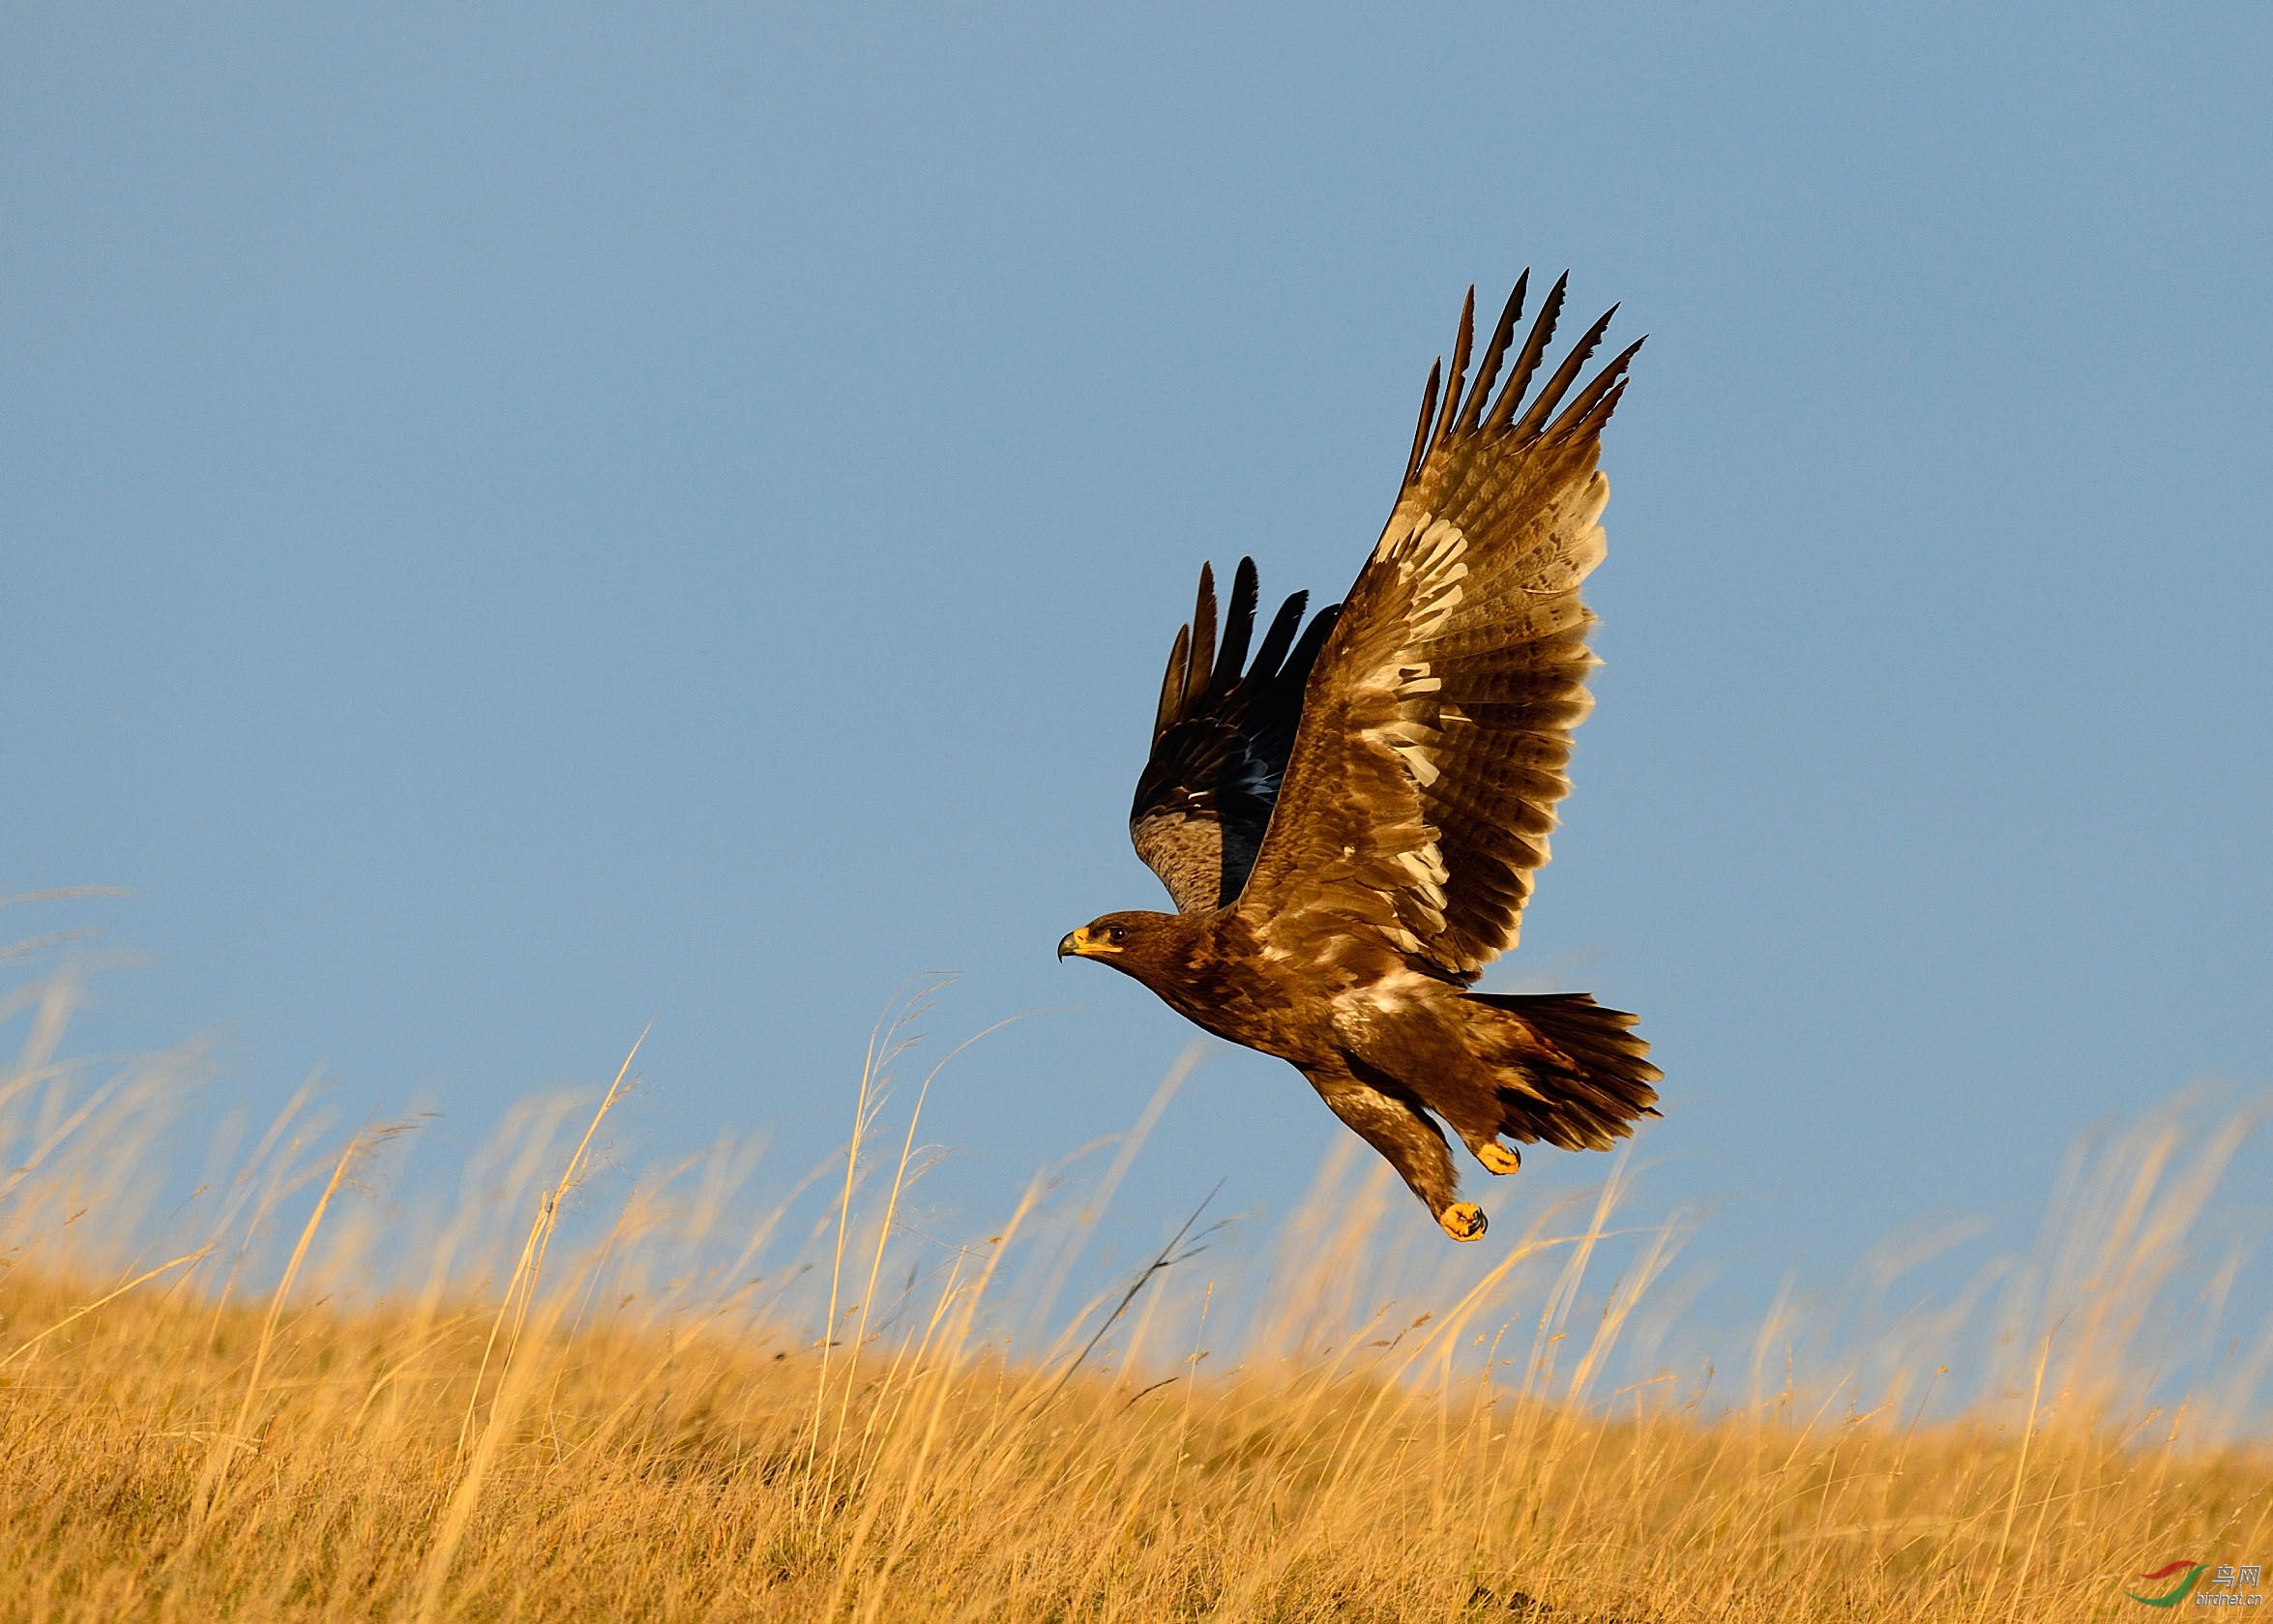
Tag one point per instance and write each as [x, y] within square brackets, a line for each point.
[1221, 739]
[1534, 350]
[1492, 354]
[1437, 722]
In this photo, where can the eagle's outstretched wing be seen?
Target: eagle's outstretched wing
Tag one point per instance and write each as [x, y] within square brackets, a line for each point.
[1219, 742]
[1436, 724]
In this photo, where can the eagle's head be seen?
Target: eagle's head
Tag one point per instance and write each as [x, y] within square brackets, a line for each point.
[1131, 942]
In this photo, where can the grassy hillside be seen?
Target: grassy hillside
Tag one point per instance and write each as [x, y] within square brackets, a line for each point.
[164, 1461]
[631, 1414]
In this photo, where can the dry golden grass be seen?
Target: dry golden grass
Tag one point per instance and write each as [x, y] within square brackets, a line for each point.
[579, 1418]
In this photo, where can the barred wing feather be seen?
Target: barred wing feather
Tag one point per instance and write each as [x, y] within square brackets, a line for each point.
[1437, 725]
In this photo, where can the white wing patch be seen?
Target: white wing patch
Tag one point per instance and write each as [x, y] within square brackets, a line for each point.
[1427, 867]
[1430, 559]
[1355, 1009]
[1431, 565]
[1415, 742]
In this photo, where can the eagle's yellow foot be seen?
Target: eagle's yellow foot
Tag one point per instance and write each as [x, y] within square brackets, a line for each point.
[1463, 1221]
[1498, 1158]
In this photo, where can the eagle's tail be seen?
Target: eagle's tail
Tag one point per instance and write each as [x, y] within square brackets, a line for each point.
[1590, 1076]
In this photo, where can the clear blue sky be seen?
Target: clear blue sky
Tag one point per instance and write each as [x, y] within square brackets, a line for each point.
[520, 521]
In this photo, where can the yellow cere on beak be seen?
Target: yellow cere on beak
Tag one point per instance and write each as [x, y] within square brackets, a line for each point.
[1080, 944]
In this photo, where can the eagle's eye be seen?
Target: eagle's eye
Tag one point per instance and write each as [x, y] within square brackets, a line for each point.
[1116, 934]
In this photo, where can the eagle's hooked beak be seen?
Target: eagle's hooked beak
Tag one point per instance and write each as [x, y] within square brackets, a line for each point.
[1080, 944]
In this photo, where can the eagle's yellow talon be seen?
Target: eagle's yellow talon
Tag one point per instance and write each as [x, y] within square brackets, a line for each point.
[1463, 1221]
[1498, 1158]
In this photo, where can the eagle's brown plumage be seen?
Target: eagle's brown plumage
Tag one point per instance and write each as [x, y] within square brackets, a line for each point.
[1350, 822]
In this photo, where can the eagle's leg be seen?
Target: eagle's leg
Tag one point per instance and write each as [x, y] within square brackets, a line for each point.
[1497, 1158]
[1393, 1122]
[1475, 1115]
[1424, 1051]
[1454, 1084]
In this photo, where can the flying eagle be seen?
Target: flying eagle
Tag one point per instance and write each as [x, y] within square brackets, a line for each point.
[1349, 821]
